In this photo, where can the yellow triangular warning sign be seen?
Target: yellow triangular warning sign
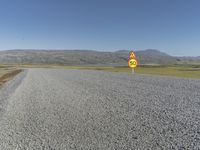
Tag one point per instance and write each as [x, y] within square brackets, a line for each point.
[132, 55]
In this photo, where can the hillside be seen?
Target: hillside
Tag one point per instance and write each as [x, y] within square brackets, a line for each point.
[151, 56]
[82, 57]
[188, 60]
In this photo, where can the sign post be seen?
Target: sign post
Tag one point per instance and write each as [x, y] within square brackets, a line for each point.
[133, 71]
[132, 61]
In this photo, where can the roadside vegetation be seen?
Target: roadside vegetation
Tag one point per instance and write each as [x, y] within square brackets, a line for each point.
[185, 71]
[7, 73]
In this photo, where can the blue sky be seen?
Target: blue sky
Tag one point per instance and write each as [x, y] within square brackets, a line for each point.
[172, 26]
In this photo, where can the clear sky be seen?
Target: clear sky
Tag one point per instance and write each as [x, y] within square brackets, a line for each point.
[172, 26]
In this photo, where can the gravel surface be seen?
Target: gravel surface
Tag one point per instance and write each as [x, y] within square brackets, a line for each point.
[59, 109]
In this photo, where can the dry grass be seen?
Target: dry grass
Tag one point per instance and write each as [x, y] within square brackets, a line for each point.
[8, 75]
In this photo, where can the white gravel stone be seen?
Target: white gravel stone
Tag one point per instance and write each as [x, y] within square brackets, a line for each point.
[57, 109]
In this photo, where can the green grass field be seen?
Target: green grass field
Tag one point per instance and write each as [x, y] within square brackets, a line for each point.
[177, 71]
[186, 71]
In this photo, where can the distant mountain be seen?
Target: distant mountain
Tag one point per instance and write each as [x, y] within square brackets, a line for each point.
[82, 57]
[68, 57]
[151, 56]
[189, 60]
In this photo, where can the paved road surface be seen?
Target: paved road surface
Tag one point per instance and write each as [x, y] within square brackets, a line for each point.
[78, 109]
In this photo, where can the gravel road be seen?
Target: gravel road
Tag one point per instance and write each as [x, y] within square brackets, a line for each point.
[57, 109]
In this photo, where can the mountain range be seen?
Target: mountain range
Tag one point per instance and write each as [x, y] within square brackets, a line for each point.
[86, 57]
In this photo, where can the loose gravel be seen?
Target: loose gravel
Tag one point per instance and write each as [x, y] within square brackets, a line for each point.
[57, 109]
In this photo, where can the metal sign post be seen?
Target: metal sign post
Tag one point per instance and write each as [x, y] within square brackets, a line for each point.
[133, 71]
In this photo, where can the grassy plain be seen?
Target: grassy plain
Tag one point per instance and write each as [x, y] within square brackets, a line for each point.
[186, 71]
